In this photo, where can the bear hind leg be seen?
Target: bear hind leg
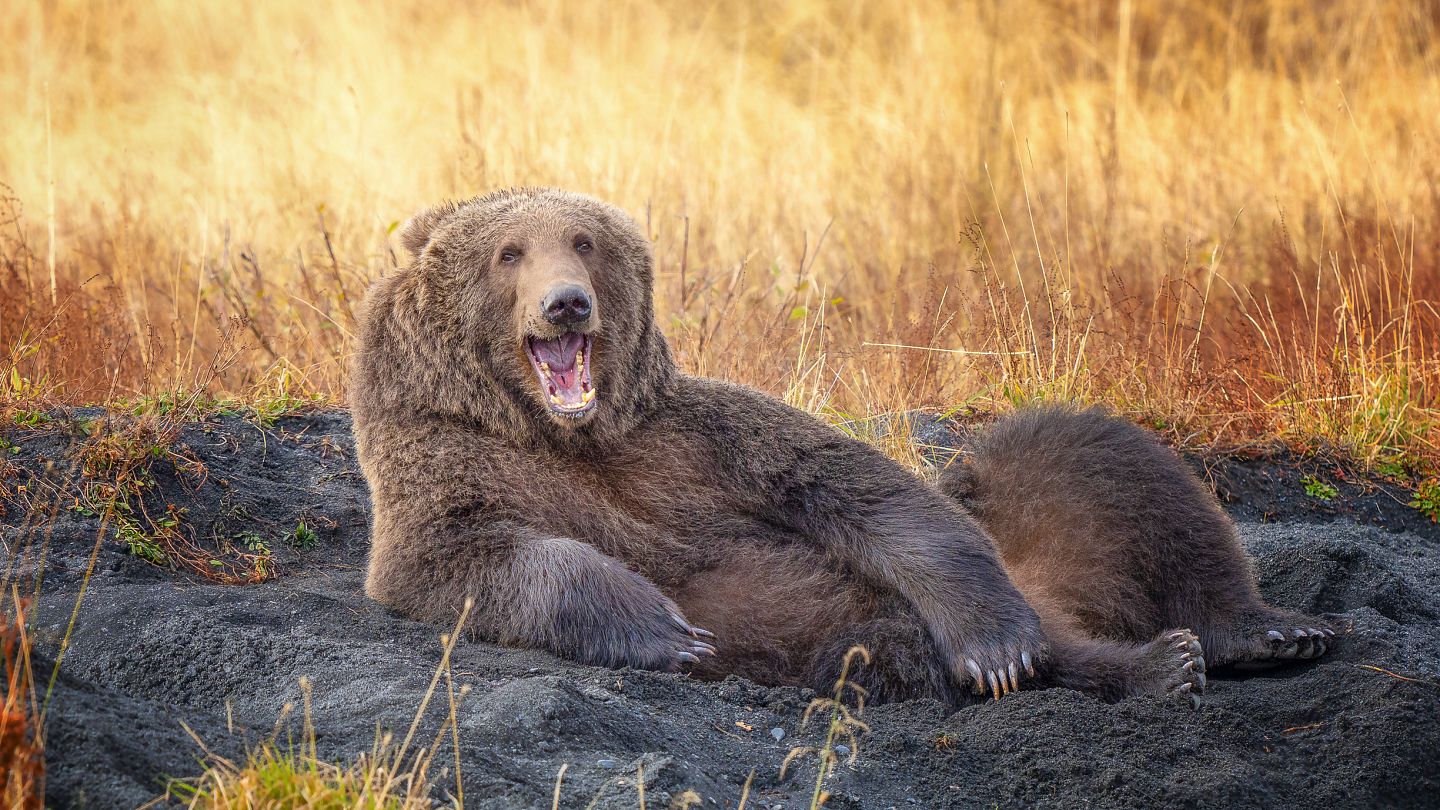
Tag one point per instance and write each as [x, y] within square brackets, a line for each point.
[1171, 664]
[1261, 636]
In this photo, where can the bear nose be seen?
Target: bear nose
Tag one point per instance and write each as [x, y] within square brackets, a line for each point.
[566, 306]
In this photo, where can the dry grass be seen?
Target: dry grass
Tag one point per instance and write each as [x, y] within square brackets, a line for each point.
[22, 741]
[1220, 218]
[393, 776]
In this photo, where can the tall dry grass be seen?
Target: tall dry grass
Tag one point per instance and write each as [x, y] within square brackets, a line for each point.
[1221, 217]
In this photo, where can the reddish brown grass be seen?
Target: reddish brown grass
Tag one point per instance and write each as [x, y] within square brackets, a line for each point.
[22, 761]
[1197, 216]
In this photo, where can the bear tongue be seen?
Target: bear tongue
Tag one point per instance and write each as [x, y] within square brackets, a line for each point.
[559, 353]
[565, 381]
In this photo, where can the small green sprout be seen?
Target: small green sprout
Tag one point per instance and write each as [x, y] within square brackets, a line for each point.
[303, 537]
[1427, 499]
[1316, 488]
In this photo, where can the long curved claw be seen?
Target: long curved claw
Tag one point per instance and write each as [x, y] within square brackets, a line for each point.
[1014, 677]
[1029, 664]
[973, 667]
[690, 629]
[1305, 643]
[994, 686]
[1188, 689]
[701, 648]
[689, 658]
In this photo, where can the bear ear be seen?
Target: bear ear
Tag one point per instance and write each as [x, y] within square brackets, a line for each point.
[415, 233]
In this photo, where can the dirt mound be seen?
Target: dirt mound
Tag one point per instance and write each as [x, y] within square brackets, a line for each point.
[153, 648]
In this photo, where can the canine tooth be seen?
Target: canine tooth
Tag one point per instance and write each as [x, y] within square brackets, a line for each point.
[555, 399]
[589, 395]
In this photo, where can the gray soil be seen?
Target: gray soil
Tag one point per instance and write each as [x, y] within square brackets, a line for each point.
[154, 648]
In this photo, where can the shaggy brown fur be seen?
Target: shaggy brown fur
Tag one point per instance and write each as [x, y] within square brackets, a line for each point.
[608, 518]
[1108, 534]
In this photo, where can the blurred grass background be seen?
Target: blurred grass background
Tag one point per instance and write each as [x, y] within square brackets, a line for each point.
[1219, 217]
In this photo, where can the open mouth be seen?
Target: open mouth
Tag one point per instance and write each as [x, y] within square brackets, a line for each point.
[563, 365]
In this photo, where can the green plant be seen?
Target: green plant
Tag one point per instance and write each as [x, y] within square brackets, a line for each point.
[29, 418]
[141, 543]
[116, 467]
[254, 542]
[1316, 488]
[1427, 499]
[1396, 467]
[303, 537]
[179, 404]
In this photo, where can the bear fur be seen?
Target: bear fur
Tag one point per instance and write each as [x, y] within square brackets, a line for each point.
[1110, 535]
[597, 503]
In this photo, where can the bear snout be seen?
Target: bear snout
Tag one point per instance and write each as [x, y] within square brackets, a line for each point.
[566, 305]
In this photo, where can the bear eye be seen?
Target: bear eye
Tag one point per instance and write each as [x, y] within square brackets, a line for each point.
[509, 255]
[584, 246]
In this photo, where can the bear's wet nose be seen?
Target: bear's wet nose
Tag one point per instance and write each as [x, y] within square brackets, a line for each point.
[566, 306]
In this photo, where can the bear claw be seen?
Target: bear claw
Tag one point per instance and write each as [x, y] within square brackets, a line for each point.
[1188, 679]
[1305, 642]
[1000, 681]
[1265, 641]
[690, 629]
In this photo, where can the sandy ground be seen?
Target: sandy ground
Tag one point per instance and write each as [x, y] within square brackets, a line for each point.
[153, 649]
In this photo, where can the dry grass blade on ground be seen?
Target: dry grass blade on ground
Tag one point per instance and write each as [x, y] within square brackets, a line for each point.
[22, 742]
[390, 777]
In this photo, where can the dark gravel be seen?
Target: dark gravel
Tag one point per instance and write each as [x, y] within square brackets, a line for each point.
[154, 648]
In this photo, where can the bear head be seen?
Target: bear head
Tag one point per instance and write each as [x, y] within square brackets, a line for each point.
[525, 311]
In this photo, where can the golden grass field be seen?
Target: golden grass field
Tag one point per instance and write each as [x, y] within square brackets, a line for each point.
[1217, 217]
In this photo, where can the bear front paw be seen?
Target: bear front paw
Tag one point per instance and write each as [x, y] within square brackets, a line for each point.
[666, 642]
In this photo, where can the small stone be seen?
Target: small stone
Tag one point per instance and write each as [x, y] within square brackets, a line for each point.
[842, 750]
[778, 733]
[605, 763]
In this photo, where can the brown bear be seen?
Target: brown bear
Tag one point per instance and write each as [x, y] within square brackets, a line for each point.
[1108, 534]
[529, 442]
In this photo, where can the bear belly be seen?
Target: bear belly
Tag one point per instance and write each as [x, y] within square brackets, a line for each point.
[770, 609]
